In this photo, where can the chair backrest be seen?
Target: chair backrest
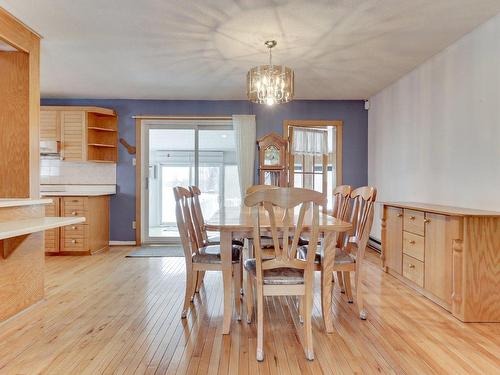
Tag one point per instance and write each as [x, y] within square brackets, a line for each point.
[184, 222]
[252, 189]
[285, 199]
[197, 216]
[341, 196]
[363, 201]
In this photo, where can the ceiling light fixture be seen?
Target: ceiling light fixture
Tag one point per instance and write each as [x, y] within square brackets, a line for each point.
[270, 84]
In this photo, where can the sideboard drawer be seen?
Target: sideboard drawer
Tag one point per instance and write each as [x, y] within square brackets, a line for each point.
[414, 245]
[75, 231]
[414, 222]
[413, 270]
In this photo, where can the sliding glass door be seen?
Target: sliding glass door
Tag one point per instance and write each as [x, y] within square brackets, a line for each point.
[181, 154]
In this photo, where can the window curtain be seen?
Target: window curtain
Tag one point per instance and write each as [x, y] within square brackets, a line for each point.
[245, 132]
[309, 141]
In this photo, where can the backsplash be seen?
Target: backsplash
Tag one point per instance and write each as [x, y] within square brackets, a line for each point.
[58, 172]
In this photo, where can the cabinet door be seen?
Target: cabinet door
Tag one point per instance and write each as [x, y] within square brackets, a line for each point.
[438, 256]
[73, 131]
[49, 126]
[52, 235]
[392, 239]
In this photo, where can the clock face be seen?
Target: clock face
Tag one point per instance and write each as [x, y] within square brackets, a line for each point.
[271, 156]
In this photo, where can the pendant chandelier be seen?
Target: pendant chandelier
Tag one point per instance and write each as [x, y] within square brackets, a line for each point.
[270, 84]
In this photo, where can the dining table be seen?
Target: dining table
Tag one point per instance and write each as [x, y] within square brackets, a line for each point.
[237, 222]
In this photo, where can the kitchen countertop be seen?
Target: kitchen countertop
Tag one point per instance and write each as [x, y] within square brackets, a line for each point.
[16, 202]
[9, 229]
[77, 190]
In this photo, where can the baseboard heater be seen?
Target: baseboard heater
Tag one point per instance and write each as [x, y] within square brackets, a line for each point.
[375, 244]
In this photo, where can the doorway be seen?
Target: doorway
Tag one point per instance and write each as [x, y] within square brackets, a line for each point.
[183, 153]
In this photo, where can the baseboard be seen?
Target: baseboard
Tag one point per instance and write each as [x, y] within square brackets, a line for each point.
[375, 244]
[121, 243]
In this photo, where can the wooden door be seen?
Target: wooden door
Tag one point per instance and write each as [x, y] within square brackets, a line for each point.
[49, 126]
[73, 131]
[438, 257]
[392, 238]
[52, 235]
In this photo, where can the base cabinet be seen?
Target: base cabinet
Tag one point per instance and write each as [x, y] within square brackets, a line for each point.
[80, 239]
[448, 254]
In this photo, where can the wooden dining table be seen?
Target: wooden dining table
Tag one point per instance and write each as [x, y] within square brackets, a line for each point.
[236, 222]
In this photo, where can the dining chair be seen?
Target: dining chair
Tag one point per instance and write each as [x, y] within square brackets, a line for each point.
[201, 232]
[350, 254]
[204, 258]
[340, 210]
[283, 274]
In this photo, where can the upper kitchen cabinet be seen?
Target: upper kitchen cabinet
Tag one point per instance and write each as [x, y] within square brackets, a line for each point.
[79, 133]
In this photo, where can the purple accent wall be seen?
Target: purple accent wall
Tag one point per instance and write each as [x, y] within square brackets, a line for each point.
[352, 112]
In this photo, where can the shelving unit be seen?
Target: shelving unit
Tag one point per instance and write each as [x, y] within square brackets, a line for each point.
[85, 133]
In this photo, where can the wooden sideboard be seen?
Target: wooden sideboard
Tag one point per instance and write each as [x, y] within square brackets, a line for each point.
[451, 255]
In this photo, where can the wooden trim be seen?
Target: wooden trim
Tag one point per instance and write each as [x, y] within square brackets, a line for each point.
[15, 33]
[98, 110]
[153, 117]
[138, 190]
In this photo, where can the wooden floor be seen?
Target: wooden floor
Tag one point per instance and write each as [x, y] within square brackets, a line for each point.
[108, 314]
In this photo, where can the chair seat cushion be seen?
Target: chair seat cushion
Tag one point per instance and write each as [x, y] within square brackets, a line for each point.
[267, 242]
[215, 240]
[341, 257]
[277, 276]
[211, 254]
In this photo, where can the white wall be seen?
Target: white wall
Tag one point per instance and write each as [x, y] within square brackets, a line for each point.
[434, 135]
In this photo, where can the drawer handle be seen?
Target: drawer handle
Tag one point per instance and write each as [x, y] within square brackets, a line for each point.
[411, 265]
[74, 213]
[73, 227]
[426, 221]
[73, 241]
[412, 217]
[411, 242]
[400, 215]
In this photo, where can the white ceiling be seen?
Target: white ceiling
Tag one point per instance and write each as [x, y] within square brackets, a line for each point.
[201, 49]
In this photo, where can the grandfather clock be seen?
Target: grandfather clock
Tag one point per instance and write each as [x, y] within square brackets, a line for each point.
[272, 160]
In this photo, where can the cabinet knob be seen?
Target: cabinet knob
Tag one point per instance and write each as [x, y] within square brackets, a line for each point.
[426, 221]
[411, 265]
[73, 241]
[73, 227]
[400, 215]
[412, 217]
[73, 213]
[411, 242]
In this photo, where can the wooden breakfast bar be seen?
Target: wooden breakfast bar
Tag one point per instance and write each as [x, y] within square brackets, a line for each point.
[22, 222]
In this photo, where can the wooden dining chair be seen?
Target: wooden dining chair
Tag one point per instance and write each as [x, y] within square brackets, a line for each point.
[199, 221]
[204, 258]
[340, 210]
[350, 254]
[283, 274]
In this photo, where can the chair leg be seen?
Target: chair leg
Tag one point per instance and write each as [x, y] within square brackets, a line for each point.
[195, 277]
[308, 299]
[301, 309]
[201, 277]
[249, 298]
[341, 282]
[237, 289]
[187, 295]
[347, 284]
[260, 323]
[242, 290]
[359, 294]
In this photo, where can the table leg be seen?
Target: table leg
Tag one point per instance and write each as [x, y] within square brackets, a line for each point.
[225, 249]
[327, 260]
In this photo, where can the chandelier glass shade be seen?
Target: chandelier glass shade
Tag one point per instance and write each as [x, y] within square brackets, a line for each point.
[270, 84]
